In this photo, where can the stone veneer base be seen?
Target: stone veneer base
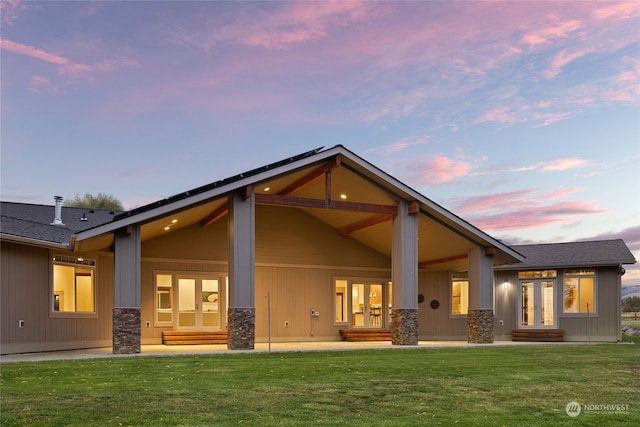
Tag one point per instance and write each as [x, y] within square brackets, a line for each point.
[480, 326]
[241, 328]
[126, 330]
[404, 326]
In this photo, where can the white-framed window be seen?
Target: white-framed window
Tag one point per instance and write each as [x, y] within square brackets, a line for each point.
[579, 292]
[74, 285]
[164, 299]
[459, 294]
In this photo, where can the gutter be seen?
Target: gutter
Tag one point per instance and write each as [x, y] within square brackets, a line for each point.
[40, 243]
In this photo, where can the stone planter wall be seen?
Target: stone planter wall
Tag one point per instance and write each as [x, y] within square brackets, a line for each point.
[404, 326]
[126, 330]
[480, 326]
[241, 328]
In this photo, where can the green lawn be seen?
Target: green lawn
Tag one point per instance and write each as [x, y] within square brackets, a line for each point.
[501, 386]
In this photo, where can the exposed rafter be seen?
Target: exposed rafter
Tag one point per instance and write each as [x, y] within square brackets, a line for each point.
[365, 223]
[442, 260]
[215, 215]
[311, 176]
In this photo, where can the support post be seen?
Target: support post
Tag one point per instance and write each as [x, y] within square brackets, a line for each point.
[241, 312]
[480, 314]
[404, 275]
[126, 303]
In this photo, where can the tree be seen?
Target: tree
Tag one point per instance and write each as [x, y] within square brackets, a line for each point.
[99, 201]
[631, 304]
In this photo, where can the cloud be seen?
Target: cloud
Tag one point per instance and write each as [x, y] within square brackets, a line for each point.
[10, 10]
[522, 209]
[33, 52]
[281, 27]
[620, 10]
[557, 28]
[402, 144]
[438, 169]
[65, 66]
[561, 60]
[41, 85]
[563, 164]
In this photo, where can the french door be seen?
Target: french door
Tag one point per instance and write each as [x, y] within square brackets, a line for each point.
[199, 302]
[367, 305]
[537, 307]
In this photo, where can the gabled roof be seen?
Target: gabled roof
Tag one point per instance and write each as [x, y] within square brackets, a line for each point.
[448, 237]
[575, 254]
[33, 222]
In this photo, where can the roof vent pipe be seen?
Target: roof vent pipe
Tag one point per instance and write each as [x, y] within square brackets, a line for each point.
[57, 220]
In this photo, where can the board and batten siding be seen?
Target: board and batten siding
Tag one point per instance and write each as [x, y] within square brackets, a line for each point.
[438, 324]
[26, 295]
[603, 325]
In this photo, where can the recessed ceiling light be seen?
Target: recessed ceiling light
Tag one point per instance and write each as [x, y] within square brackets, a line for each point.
[267, 189]
[167, 228]
[174, 221]
[343, 196]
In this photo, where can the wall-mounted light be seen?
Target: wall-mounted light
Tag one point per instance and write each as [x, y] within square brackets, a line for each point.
[506, 284]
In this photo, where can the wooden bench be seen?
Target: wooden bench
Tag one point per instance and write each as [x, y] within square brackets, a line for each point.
[194, 337]
[365, 334]
[537, 335]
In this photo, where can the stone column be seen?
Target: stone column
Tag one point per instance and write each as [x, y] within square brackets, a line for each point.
[404, 275]
[241, 327]
[126, 303]
[480, 314]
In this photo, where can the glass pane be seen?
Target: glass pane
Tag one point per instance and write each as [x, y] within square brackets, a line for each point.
[375, 305]
[586, 295]
[357, 304]
[460, 297]
[341, 301]
[528, 316]
[63, 292]
[187, 302]
[164, 298]
[570, 295]
[85, 298]
[546, 314]
[390, 301]
[210, 303]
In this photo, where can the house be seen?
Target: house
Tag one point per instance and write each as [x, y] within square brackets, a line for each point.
[336, 244]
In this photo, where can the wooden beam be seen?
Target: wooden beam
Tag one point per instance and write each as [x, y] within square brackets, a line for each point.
[246, 192]
[414, 207]
[301, 202]
[327, 186]
[215, 215]
[365, 223]
[311, 176]
[442, 260]
[491, 250]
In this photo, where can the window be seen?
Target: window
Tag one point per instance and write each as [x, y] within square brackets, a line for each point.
[73, 285]
[164, 299]
[341, 301]
[459, 294]
[579, 291]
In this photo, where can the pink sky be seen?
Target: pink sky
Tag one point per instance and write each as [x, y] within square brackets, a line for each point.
[521, 117]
